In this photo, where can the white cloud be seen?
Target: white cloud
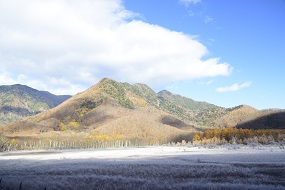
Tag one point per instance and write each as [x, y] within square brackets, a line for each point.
[234, 87]
[209, 19]
[66, 46]
[6, 79]
[188, 2]
[205, 82]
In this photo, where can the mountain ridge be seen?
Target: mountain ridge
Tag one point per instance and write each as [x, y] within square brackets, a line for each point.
[108, 108]
[18, 101]
[135, 111]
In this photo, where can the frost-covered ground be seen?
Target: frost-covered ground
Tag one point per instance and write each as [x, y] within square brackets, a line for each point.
[146, 168]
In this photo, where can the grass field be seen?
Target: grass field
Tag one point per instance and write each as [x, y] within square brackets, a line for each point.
[231, 167]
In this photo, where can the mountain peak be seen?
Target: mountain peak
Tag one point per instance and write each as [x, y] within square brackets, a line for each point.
[104, 80]
[15, 87]
[165, 92]
[244, 107]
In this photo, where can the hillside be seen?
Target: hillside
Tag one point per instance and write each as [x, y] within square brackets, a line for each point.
[18, 101]
[266, 119]
[247, 117]
[195, 113]
[108, 108]
[187, 103]
[203, 115]
[200, 114]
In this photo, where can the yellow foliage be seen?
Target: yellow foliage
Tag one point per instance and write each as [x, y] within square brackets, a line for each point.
[13, 141]
[62, 127]
[104, 137]
[198, 136]
[117, 137]
[73, 124]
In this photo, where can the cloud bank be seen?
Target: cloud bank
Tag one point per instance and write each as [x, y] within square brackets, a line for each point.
[234, 87]
[66, 46]
[188, 2]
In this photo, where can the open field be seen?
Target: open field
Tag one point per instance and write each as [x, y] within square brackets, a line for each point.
[232, 167]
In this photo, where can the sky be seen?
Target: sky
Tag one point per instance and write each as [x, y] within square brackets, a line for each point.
[226, 53]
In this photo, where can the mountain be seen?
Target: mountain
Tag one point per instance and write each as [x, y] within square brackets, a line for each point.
[107, 108]
[187, 103]
[247, 117]
[268, 119]
[18, 101]
[195, 113]
[113, 110]
[199, 114]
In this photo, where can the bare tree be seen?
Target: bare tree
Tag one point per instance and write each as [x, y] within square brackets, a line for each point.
[3, 143]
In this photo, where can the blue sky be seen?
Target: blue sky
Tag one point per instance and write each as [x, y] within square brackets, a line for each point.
[224, 52]
[249, 35]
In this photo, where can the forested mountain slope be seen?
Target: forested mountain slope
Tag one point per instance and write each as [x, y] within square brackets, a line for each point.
[18, 101]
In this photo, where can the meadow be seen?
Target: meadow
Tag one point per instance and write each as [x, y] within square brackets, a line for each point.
[159, 167]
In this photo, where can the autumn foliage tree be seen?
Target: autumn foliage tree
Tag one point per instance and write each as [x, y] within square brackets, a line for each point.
[241, 136]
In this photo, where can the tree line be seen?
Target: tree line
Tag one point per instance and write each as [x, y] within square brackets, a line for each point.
[103, 141]
[93, 141]
[239, 136]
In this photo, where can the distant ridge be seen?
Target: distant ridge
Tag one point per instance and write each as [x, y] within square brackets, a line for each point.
[187, 103]
[200, 114]
[245, 116]
[18, 101]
